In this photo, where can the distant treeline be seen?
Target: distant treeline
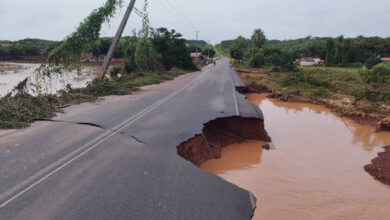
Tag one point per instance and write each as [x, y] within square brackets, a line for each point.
[34, 47]
[338, 50]
[25, 48]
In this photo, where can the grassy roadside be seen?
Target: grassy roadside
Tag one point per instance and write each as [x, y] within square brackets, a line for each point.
[337, 88]
[21, 110]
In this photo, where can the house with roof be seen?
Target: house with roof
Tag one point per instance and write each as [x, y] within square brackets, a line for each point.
[197, 57]
[385, 59]
[309, 61]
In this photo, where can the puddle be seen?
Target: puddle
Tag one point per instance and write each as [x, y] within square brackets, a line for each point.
[236, 157]
[316, 171]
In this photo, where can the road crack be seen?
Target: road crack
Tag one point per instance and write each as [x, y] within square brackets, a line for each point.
[92, 125]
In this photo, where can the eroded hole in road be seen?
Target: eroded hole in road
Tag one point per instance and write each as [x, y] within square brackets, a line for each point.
[220, 133]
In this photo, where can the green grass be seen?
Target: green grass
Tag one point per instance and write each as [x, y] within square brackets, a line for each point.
[21, 110]
[318, 81]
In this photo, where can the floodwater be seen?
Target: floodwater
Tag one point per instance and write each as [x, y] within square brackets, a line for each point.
[316, 171]
[11, 74]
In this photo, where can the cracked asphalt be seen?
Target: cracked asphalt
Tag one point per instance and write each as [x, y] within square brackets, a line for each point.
[117, 158]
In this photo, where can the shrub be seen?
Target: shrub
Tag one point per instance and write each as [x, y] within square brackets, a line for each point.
[256, 60]
[320, 93]
[115, 71]
[19, 111]
[372, 61]
[292, 78]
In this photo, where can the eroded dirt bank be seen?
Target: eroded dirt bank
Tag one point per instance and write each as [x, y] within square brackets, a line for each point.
[380, 167]
[220, 133]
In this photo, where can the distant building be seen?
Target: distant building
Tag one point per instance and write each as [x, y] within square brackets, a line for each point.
[117, 60]
[197, 57]
[385, 59]
[43, 52]
[87, 56]
[309, 61]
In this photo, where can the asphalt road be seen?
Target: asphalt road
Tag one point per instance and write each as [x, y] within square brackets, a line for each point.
[129, 168]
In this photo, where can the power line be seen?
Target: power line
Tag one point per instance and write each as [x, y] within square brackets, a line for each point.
[175, 9]
[138, 12]
[178, 8]
[179, 13]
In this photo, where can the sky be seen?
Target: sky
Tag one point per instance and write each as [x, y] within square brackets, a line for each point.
[216, 20]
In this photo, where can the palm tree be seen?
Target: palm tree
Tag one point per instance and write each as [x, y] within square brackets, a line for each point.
[258, 38]
[240, 44]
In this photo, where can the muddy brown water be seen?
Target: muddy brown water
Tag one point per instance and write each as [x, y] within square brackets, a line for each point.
[316, 171]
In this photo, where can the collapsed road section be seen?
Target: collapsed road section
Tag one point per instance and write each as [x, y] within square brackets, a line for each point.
[220, 133]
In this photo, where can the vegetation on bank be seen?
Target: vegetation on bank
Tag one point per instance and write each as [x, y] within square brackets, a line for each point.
[21, 110]
[353, 80]
[329, 82]
[339, 51]
[370, 82]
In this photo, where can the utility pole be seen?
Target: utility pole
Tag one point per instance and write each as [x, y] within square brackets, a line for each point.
[107, 59]
[197, 34]
[208, 49]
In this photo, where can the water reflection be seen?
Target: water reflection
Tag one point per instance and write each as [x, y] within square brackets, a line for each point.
[366, 136]
[236, 157]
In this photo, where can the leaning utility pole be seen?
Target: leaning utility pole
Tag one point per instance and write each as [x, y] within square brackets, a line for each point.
[196, 50]
[107, 59]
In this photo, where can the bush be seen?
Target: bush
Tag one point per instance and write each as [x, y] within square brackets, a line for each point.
[145, 57]
[19, 111]
[273, 59]
[320, 93]
[115, 71]
[256, 60]
[372, 61]
[292, 79]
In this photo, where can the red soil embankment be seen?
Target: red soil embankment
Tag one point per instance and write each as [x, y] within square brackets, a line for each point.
[220, 133]
[380, 167]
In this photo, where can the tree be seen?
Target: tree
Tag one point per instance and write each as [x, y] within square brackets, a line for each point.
[329, 51]
[4, 53]
[208, 50]
[339, 49]
[372, 61]
[69, 52]
[146, 58]
[172, 48]
[131, 47]
[346, 51]
[17, 51]
[376, 80]
[238, 48]
[258, 38]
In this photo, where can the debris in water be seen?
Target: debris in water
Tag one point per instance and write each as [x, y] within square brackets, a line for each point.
[269, 146]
